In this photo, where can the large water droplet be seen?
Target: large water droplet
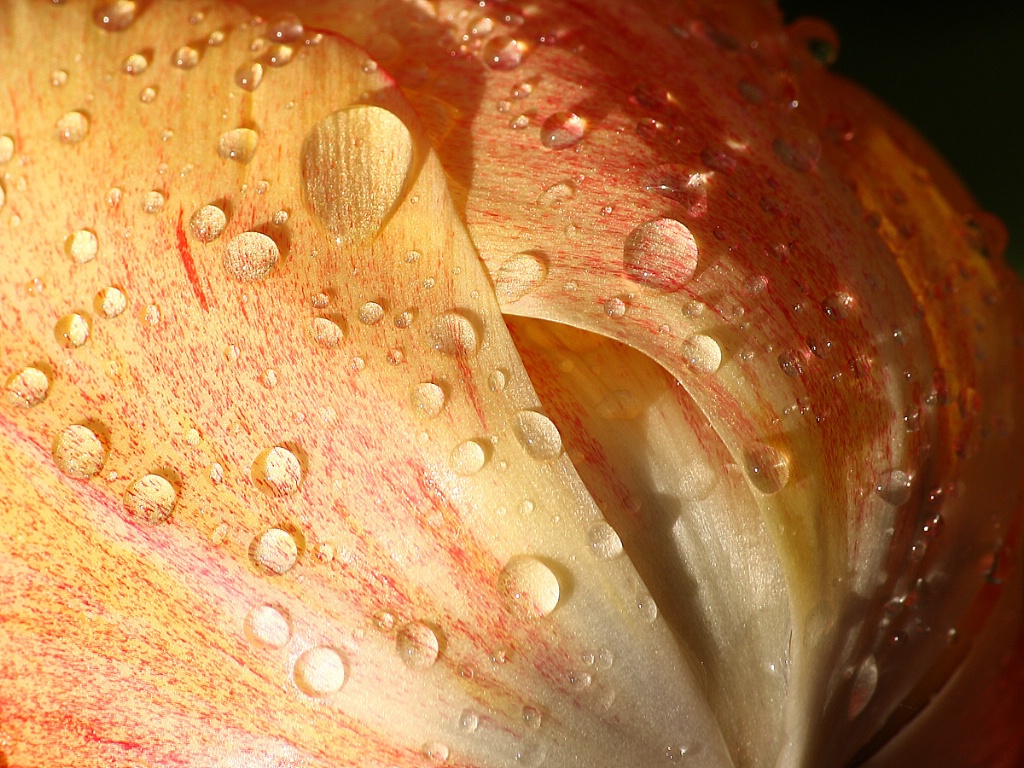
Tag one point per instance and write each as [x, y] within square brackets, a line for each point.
[660, 253]
[250, 256]
[81, 246]
[702, 353]
[894, 487]
[268, 625]
[78, 452]
[275, 550]
[427, 399]
[27, 387]
[468, 458]
[529, 587]
[453, 334]
[72, 127]
[116, 16]
[355, 166]
[150, 499]
[418, 645]
[72, 331]
[538, 434]
[207, 224]
[767, 468]
[277, 471]
[562, 130]
[320, 671]
[864, 683]
[238, 144]
[605, 543]
[503, 52]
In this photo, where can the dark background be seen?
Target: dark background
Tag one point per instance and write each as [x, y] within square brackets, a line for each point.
[956, 71]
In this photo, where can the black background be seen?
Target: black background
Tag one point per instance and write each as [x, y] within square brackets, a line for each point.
[955, 70]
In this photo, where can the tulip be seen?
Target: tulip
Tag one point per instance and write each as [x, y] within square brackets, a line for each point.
[412, 384]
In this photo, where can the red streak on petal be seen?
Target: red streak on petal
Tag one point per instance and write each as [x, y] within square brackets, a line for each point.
[190, 266]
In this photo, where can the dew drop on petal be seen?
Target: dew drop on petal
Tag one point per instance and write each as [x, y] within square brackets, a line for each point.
[153, 202]
[538, 435]
[275, 550]
[453, 334]
[615, 307]
[78, 452]
[605, 543]
[134, 64]
[864, 683]
[238, 144]
[110, 302]
[277, 471]
[250, 256]
[72, 331]
[150, 499]
[116, 16]
[355, 167]
[468, 458]
[269, 626]
[82, 246]
[371, 313]
[248, 76]
[418, 645]
[286, 29]
[529, 588]
[893, 487]
[186, 57]
[661, 254]
[72, 127]
[27, 387]
[427, 399]
[207, 223]
[702, 353]
[469, 721]
[519, 275]
[767, 468]
[435, 752]
[6, 149]
[320, 671]
[502, 52]
[562, 130]
[326, 332]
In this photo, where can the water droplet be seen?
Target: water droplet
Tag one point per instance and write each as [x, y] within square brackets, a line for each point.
[135, 64]
[280, 55]
[116, 16]
[152, 314]
[153, 202]
[468, 458]
[837, 306]
[286, 29]
[469, 721]
[81, 246]
[418, 645]
[615, 307]
[275, 550]
[207, 223]
[404, 319]
[249, 76]
[269, 626]
[72, 331]
[72, 127]
[6, 149]
[529, 588]
[78, 452]
[646, 607]
[250, 256]
[496, 381]
[817, 36]
[519, 275]
[502, 52]
[453, 334]
[27, 387]
[684, 187]
[791, 363]
[702, 353]
[800, 150]
[269, 378]
[186, 57]
[767, 468]
[660, 253]
[238, 144]
[435, 752]
[320, 671]
[538, 435]
[605, 543]
[427, 399]
[864, 683]
[110, 302]
[326, 332]
[58, 78]
[277, 471]
[355, 166]
[384, 621]
[147, 94]
[150, 499]
[894, 487]
[562, 130]
[371, 313]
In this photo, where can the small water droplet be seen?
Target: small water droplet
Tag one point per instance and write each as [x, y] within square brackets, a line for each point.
[418, 645]
[320, 671]
[135, 64]
[894, 487]
[78, 452]
[562, 130]
[371, 313]
[269, 378]
[6, 149]
[110, 302]
[702, 353]
[81, 246]
[116, 16]
[864, 683]
[186, 57]
[150, 499]
[326, 332]
[250, 256]
[58, 78]
[277, 471]
[147, 94]
[838, 305]
[647, 608]
[238, 144]
[529, 588]
[72, 127]
[153, 202]
[72, 331]
[249, 76]
[207, 224]
[453, 334]
[538, 435]
[268, 625]
[496, 381]
[435, 752]
[503, 52]
[605, 543]
[615, 307]
[519, 275]
[791, 363]
[275, 550]
[286, 29]
[468, 458]
[661, 253]
[27, 387]
[469, 721]
[280, 55]
[427, 399]
[767, 468]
